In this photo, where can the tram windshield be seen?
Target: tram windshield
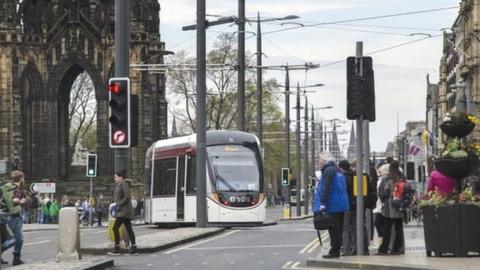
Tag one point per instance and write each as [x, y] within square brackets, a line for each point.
[234, 168]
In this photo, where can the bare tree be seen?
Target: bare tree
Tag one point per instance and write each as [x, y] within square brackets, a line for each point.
[221, 107]
[82, 114]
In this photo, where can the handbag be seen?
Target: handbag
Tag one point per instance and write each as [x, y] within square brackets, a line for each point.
[322, 220]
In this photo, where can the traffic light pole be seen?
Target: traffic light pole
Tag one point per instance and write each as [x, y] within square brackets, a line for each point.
[201, 119]
[359, 123]
[122, 48]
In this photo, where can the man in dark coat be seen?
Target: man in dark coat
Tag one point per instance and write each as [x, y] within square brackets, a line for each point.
[123, 213]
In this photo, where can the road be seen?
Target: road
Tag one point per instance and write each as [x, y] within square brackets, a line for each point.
[284, 246]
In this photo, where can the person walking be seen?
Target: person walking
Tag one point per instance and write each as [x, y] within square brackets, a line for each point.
[100, 206]
[393, 216]
[331, 196]
[46, 210]
[14, 198]
[123, 213]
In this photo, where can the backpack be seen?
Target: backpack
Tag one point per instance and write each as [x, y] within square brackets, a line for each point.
[402, 195]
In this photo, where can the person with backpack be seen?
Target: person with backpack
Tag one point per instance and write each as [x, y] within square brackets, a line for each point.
[393, 192]
[331, 197]
[15, 199]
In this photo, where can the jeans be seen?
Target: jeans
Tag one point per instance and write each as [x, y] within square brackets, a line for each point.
[15, 222]
[26, 216]
[399, 238]
[128, 226]
[350, 234]
[99, 217]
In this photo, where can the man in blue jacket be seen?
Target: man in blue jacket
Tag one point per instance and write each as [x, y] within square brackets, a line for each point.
[331, 196]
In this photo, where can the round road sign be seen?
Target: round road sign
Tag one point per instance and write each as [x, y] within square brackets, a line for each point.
[119, 137]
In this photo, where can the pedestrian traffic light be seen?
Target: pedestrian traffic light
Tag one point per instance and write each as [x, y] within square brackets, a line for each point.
[360, 89]
[119, 112]
[285, 177]
[91, 165]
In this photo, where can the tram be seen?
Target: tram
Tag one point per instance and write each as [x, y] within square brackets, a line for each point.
[235, 191]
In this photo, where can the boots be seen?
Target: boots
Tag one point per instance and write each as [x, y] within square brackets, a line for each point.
[133, 250]
[115, 252]
[17, 260]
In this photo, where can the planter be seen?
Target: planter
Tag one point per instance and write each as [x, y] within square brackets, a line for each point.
[455, 168]
[457, 129]
[451, 229]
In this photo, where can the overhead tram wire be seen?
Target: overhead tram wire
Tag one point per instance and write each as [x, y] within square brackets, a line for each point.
[361, 19]
[384, 49]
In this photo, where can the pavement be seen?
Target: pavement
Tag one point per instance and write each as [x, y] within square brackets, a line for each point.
[156, 241]
[87, 263]
[414, 258]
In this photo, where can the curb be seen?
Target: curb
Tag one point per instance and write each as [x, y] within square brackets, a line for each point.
[324, 263]
[95, 251]
[296, 218]
[100, 265]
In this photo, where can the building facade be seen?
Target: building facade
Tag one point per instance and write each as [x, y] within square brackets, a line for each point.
[44, 46]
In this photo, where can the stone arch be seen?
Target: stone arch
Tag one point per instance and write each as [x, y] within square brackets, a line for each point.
[60, 87]
[30, 88]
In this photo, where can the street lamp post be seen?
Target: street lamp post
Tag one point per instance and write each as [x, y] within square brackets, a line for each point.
[297, 140]
[305, 142]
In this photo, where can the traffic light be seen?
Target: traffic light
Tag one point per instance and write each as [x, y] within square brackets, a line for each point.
[360, 90]
[285, 177]
[91, 165]
[119, 116]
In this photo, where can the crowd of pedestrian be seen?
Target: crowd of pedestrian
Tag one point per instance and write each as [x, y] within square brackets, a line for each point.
[19, 206]
[387, 194]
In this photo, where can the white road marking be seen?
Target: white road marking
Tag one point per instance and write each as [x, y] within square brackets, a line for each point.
[261, 262]
[295, 265]
[308, 246]
[246, 247]
[149, 265]
[201, 242]
[36, 243]
[204, 262]
[287, 264]
[231, 262]
[310, 250]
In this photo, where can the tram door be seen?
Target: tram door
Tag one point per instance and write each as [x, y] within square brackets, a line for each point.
[181, 188]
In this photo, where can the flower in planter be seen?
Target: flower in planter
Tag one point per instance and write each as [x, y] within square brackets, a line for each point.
[454, 150]
[474, 119]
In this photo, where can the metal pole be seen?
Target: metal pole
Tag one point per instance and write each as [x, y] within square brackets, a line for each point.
[259, 82]
[121, 156]
[201, 117]
[305, 170]
[90, 215]
[287, 131]
[359, 122]
[366, 167]
[299, 161]
[313, 144]
[241, 65]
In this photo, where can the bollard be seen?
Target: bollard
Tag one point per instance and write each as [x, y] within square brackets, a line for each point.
[286, 211]
[68, 235]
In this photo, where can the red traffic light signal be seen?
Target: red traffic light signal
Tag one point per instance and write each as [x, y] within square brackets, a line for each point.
[119, 112]
[114, 88]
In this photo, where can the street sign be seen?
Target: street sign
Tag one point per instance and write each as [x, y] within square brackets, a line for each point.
[43, 187]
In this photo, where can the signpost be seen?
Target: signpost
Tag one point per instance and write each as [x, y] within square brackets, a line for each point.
[44, 187]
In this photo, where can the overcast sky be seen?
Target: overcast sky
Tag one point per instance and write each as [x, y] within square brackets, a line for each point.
[400, 74]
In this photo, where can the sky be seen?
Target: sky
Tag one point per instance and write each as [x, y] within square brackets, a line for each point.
[400, 73]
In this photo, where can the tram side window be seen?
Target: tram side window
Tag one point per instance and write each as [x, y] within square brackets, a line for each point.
[165, 175]
[191, 171]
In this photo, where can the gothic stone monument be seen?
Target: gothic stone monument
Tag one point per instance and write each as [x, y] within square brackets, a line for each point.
[44, 46]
